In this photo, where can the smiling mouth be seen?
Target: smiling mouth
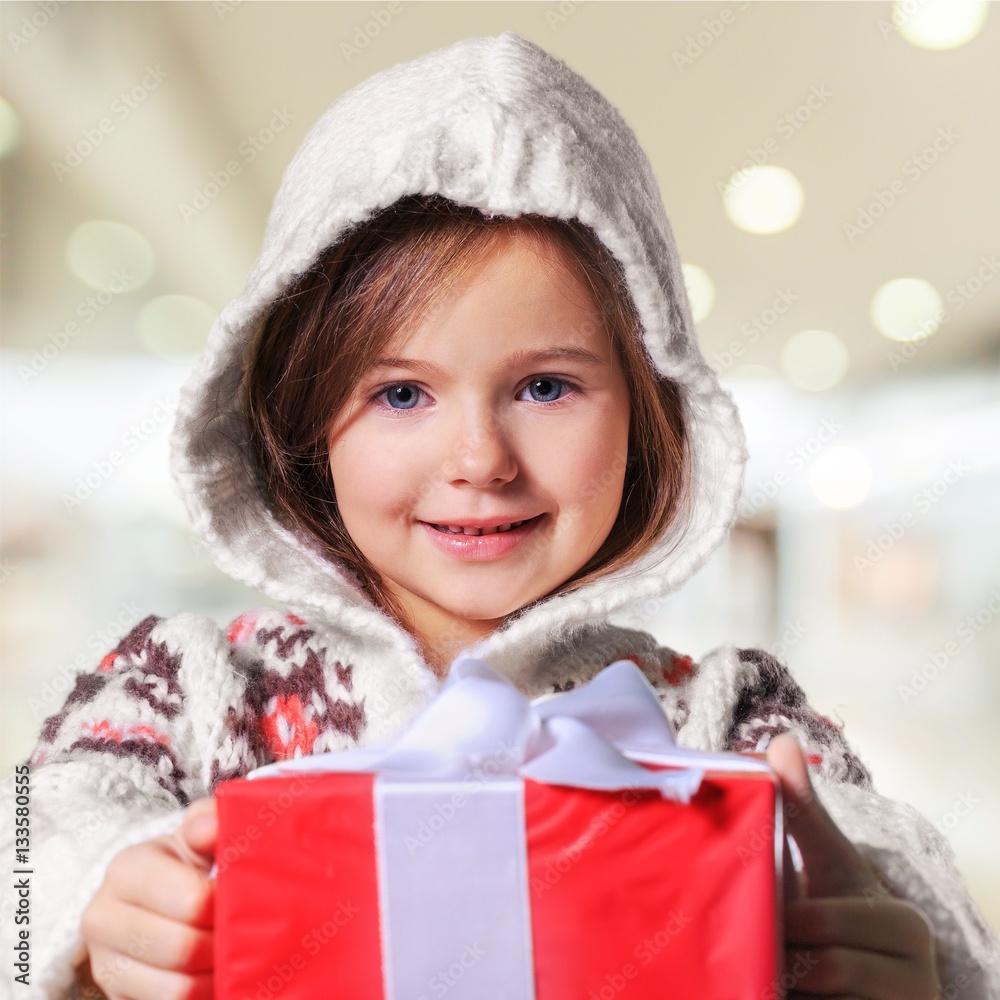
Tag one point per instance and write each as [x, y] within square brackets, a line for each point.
[498, 529]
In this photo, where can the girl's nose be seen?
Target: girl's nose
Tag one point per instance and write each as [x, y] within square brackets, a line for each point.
[482, 452]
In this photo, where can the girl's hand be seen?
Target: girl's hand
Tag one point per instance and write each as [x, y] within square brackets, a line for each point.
[148, 930]
[846, 935]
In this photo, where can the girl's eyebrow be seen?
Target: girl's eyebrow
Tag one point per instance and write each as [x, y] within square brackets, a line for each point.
[515, 360]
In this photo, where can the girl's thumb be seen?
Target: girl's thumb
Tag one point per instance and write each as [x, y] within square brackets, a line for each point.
[833, 866]
[200, 828]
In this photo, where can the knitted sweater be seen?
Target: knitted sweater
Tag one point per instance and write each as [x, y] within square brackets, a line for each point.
[181, 704]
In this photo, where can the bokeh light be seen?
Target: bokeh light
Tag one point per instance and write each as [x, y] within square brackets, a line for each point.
[814, 360]
[110, 256]
[764, 199]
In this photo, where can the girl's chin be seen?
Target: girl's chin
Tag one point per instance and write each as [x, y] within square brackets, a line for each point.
[482, 616]
[486, 617]
[463, 610]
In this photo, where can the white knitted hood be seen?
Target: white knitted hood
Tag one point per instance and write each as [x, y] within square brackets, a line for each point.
[499, 124]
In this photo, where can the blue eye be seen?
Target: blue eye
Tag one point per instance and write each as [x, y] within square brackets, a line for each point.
[547, 389]
[402, 393]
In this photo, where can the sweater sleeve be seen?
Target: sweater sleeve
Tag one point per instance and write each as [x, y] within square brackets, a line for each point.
[140, 736]
[915, 859]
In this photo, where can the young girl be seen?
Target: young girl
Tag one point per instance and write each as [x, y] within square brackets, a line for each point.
[459, 406]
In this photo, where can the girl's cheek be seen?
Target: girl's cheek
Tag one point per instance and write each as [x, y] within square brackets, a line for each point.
[598, 472]
[585, 448]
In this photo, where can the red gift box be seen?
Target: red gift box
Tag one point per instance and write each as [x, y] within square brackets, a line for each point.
[499, 885]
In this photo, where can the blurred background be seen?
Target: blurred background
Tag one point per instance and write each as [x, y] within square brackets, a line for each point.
[830, 171]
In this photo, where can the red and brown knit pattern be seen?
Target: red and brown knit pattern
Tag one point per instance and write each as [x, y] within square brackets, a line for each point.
[297, 702]
[298, 698]
[776, 704]
[138, 670]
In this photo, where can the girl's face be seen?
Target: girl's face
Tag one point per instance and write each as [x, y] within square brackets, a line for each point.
[506, 404]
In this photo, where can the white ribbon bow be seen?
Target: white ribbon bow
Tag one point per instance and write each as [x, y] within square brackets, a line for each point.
[582, 738]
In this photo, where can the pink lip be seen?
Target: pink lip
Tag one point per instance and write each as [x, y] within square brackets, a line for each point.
[481, 547]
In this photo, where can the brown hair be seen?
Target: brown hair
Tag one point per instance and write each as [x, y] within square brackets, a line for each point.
[384, 274]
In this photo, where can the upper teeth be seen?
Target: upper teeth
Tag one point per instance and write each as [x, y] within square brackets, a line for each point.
[455, 530]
